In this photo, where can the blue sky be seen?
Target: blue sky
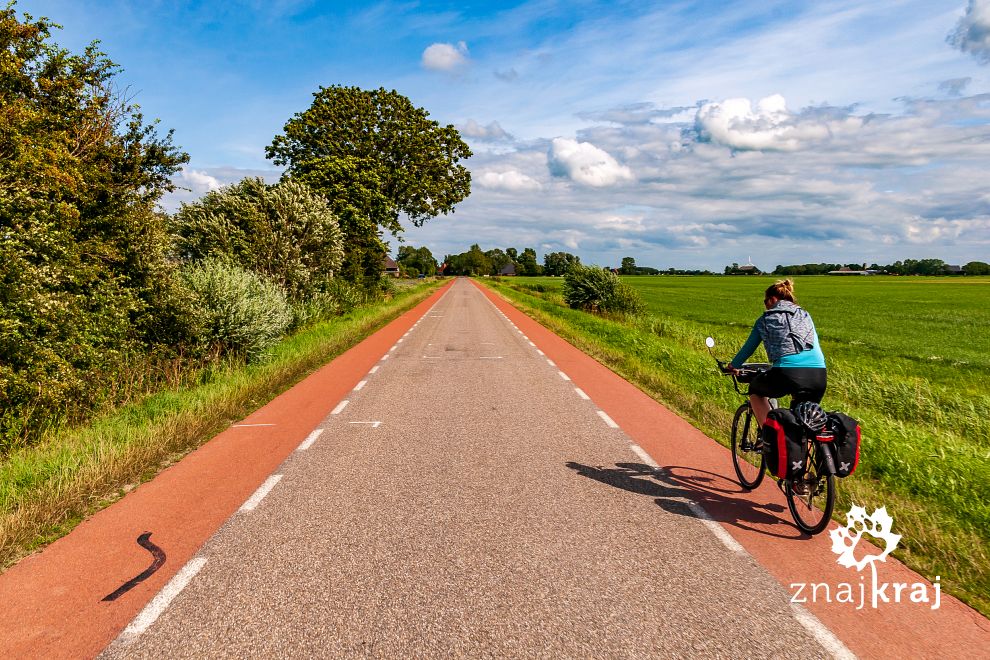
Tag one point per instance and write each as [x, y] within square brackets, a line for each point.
[684, 134]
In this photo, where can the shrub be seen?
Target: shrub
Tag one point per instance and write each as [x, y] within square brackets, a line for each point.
[594, 289]
[236, 310]
[284, 232]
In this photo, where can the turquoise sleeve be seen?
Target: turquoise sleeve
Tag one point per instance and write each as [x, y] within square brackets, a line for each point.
[748, 348]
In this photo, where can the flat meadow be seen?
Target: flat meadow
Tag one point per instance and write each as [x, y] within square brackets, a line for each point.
[907, 356]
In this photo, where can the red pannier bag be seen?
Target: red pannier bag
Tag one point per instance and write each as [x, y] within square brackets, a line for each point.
[847, 437]
[784, 444]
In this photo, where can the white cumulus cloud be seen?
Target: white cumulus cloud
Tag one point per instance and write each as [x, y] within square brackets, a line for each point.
[769, 126]
[445, 57]
[972, 33]
[493, 132]
[199, 182]
[585, 163]
[510, 180]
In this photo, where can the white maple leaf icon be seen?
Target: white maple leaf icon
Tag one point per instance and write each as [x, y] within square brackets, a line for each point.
[845, 539]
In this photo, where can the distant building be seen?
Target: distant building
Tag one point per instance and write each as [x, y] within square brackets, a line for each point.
[953, 270]
[508, 270]
[749, 268]
[389, 267]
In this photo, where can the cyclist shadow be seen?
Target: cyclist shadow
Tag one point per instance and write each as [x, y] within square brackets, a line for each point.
[672, 486]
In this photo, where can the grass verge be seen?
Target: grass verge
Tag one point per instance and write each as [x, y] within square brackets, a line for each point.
[932, 478]
[47, 489]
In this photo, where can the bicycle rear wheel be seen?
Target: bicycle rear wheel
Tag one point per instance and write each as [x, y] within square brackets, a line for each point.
[813, 510]
[747, 457]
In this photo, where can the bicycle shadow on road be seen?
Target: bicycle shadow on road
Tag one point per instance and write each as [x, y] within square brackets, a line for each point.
[673, 486]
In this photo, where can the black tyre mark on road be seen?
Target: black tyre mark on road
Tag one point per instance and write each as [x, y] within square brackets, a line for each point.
[156, 552]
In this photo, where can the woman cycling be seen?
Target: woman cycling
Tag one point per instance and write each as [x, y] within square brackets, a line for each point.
[789, 335]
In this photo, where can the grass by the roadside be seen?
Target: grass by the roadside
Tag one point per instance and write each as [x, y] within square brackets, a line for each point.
[925, 453]
[47, 489]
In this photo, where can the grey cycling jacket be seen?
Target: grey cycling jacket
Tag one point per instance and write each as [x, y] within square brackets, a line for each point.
[786, 329]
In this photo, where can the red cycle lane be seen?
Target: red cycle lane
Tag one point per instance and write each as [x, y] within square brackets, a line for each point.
[52, 601]
[700, 468]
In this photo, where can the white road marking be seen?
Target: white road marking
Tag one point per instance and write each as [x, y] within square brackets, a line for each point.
[340, 407]
[716, 529]
[310, 439]
[822, 635]
[550, 362]
[432, 357]
[401, 339]
[646, 458]
[360, 386]
[608, 420]
[244, 426]
[374, 425]
[392, 349]
[259, 494]
[540, 352]
[563, 375]
[581, 394]
[489, 357]
[385, 357]
[532, 344]
[160, 603]
[374, 369]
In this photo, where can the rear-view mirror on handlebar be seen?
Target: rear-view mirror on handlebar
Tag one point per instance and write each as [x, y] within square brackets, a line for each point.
[709, 342]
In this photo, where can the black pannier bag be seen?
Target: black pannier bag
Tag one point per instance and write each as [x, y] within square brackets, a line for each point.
[784, 444]
[845, 445]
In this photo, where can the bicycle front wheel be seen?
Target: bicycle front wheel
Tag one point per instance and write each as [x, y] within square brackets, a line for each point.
[812, 509]
[747, 456]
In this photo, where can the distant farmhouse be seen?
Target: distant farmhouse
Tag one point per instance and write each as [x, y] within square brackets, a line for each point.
[508, 270]
[746, 269]
[390, 267]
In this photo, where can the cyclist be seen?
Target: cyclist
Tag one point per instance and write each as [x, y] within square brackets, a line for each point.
[791, 341]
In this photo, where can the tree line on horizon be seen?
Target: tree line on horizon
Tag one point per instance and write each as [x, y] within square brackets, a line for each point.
[104, 297]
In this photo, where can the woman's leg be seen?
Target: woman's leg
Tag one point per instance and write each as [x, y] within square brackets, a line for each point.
[761, 407]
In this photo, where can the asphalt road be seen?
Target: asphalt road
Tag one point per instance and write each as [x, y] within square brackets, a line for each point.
[468, 501]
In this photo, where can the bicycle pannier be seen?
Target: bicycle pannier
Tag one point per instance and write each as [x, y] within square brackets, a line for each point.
[845, 446]
[784, 444]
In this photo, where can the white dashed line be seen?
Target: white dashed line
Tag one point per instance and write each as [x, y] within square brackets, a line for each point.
[608, 420]
[340, 407]
[401, 339]
[373, 425]
[374, 369]
[385, 357]
[532, 344]
[360, 386]
[310, 439]
[259, 494]
[581, 394]
[646, 458]
[160, 603]
[563, 375]
[822, 635]
[716, 529]
[550, 362]
[540, 352]
[488, 357]
[392, 349]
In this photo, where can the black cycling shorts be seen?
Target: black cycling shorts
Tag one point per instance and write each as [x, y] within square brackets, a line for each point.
[802, 383]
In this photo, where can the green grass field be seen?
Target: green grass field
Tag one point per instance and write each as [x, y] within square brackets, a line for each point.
[909, 357]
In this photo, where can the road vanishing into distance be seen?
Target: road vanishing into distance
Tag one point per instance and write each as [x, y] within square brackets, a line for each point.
[463, 483]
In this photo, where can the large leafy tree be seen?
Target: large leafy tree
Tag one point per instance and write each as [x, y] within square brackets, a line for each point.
[417, 261]
[558, 263]
[82, 250]
[375, 157]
